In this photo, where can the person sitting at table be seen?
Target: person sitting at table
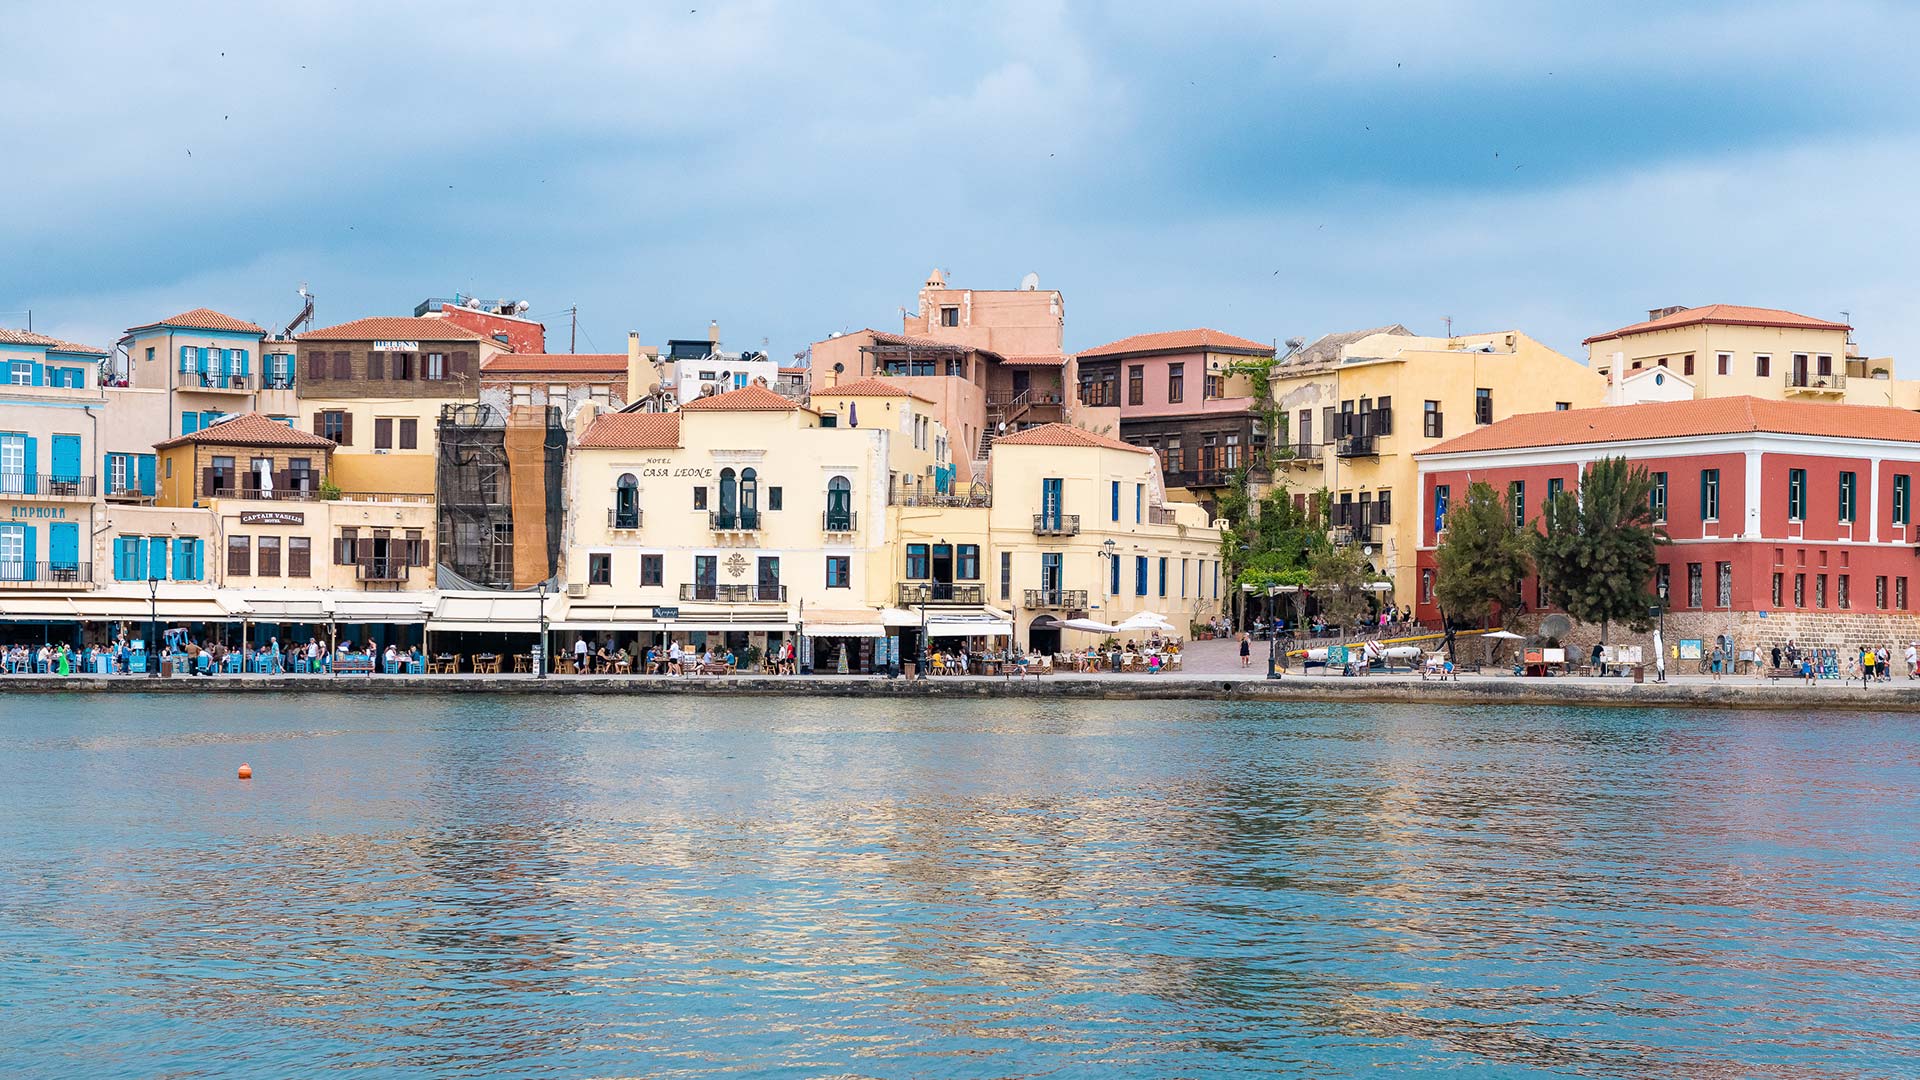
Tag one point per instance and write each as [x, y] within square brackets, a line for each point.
[602, 660]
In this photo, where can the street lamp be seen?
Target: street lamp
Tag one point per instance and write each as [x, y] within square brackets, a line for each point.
[926, 594]
[540, 650]
[1660, 649]
[153, 623]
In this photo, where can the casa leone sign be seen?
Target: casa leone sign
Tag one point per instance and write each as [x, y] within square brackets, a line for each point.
[272, 517]
[665, 467]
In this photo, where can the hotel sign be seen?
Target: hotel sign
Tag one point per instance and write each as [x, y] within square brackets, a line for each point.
[396, 346]
[27, 513]
[272, 517]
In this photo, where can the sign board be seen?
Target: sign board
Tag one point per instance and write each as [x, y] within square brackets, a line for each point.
[1336, 654]
[1690, 648]
[1554, 656]
[396, 346]
[1626, 654]
[272, 517]
[661, 611]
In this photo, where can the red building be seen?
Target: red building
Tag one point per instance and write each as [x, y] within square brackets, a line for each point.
[1788, 519]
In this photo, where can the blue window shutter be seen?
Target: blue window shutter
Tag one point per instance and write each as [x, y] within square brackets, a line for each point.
[1114, 586]
[157, 556]
[119, 559]
[182, 559]
[1139, 499]
[63, 544]
[28, 555]
[1116, 500]
[33, 467]
[66, 457]
[186, 363]
[143, 465]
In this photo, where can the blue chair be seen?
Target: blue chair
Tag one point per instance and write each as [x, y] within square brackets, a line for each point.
[389, 667]
[417, 666]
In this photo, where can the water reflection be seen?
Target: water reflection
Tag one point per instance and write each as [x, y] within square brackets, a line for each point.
[457, 887]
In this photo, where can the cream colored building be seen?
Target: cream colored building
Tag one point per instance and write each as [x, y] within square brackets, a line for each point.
[1358, 409]
[1727, 350]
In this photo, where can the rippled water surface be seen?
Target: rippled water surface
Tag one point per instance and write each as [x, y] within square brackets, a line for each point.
[465, 886]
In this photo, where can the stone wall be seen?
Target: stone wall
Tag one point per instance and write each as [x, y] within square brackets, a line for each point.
[1846, 630]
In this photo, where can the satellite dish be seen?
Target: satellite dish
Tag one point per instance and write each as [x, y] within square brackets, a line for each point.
[473, 304]
[520, 307]
[1030, 282]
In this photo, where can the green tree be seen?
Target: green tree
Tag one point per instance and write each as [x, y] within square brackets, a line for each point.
[1339, 575]
[1482, 559]
[1597, 550]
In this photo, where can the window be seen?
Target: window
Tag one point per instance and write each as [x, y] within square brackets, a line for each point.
[1097, 387]
[1762, 365]
[186, 559]
[409, 434]
[1140, 575]
[1006, 575]
[1432, 423]
[626, 502]
[436, 367]
[416, 548]
[1723, 583]
[1693, 585]
[269, 556]
[599, 568]
[1562, 406]
[917, 561]
[1380, 421]
[377, 365]
[1779, 587]
[1136, 384]
[239, 556]
[967, 563]
[1843, 592]
[1900, 593]
[1483, 406]
[950, 316]
[1846, 498]
[1215, 386]
[1163, 575]
[1658, 497]
[1686, 364]
[1555, 486]
[332, 424]
[556, 393]
[1173, 457]
[1723, 362]
[1517, 502]
[219, 476]
[1823, 365]
[839, 571]
[700, 498]
[343, 365]
[1799, 590]
[1383, 509]
[1113, 582]
[1902, 499]
[652, 569]
[1176, 382]
[1879, 591]
[383, 433]
[1796, 494]
[1139, 503]
[1440, 493]
[523, 395]
[345, 545]
[1819, 590]
[299, 557]
[1709, 494]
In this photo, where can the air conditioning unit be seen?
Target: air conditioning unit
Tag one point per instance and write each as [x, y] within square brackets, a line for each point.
[377, 450]
[576, 589]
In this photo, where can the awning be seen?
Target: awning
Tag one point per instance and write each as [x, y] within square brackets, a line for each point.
[389, 612]
[721, 626]
[193, 608]
[37, 608]
[952, 627]
[847, 630]
[894, 616]
[286, 607]
[605, 616]
[495, 613]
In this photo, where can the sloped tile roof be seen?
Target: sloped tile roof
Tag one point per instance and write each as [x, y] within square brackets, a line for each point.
[253, 429]
[28, 337]
[1682, 419]
[1065, 435]
[207, 319]
[1724, 315]
[1179, 341]
[395, 328]
[868, 387]
[632, 431]
[1035, 360]
[745, 399]
[556, 364]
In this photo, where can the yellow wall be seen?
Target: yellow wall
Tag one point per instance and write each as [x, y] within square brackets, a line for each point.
[1745, 344]
[360, 466]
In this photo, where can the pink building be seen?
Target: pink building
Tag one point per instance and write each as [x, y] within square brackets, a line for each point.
[1190, 395]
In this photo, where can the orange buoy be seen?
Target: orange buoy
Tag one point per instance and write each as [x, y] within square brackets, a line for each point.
[246, 771]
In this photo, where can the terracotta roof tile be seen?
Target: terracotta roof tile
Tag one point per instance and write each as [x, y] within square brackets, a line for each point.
[28, 337]
[1179, 341]
[868, 387]
[1682, 419]
[253, 429]
[882, 338]
[745, 399]
[1036, 360]
[556, 363]
[1724, 315]
[395, 328]
[207, 319]
[632, 431]
[1065, 435]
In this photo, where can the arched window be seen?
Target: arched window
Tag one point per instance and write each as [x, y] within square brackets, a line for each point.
[839, 505]
[729, 500]
[626, 502]
[749, 499]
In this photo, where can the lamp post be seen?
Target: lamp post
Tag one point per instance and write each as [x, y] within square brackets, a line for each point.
[920, 667]
[540, 650]
[1660, 652]
[153, 623]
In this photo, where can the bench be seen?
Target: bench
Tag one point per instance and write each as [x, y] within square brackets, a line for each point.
[1782, 673]
[353, 665]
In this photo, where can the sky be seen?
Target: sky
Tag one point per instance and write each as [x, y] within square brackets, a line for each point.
[1272, 170]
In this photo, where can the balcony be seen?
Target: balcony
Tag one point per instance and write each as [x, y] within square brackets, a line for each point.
[1198, 478]
[1062, 599]
[1056, 524]
[840, 521]
[1162, 515]
[26, 485]
[1807, 382]
[1306, 455]
[209, 380]
[623, 520]
[1355, 446]
[380, 570]
[742, 521]
[277, 382]
[126, 492]
[42, 574]
[734, 594]
[918, 494]
[913, 593]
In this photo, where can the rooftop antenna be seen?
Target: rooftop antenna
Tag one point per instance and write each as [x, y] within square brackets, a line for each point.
[305, 318]
[1845, 317]
[1449, 320]
[573, 327]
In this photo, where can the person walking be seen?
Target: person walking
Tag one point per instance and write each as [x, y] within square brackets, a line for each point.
[1246, 651]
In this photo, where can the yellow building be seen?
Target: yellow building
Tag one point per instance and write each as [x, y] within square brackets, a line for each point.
[919, 455]
[1726, 350]
[1359, 408]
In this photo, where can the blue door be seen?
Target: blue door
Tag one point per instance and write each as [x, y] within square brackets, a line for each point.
[66, 457]
[63, 547]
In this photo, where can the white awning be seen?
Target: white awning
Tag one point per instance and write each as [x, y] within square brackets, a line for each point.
[969, 628]
[894, 616]
[720, 626]
[483, 612]
[849, 630]
[193, 608]
[36, 608]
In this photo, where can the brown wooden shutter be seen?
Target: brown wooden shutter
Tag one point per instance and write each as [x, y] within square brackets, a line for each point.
[409, 434]
[320, 424]
[299, 557]
[316, 365]
[346, 428]
[343, 365]
[377, 365]
[382, 433]
[457, 364]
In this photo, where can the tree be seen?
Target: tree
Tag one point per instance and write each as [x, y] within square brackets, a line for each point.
[1482, 558]
[1596, 551]
[1339, 575]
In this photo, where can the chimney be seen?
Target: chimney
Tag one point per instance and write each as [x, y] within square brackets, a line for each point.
[1616, 390]
[713, 333]
[643, 377]
[1663, 312]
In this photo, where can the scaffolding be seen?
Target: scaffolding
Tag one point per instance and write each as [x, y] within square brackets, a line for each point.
[498, 481]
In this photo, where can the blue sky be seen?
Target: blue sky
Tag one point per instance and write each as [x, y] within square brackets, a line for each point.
[1268, 169]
